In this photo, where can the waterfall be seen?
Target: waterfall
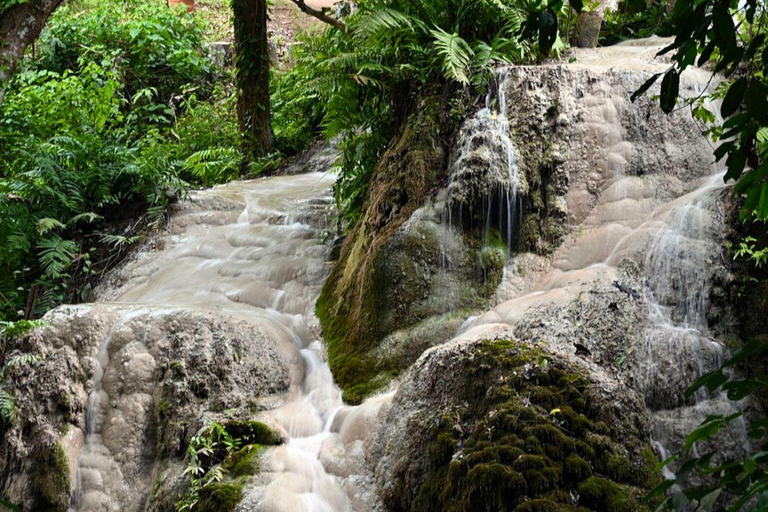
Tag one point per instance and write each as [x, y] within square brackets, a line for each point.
[678, 345]
[265, 265]
[484, 176]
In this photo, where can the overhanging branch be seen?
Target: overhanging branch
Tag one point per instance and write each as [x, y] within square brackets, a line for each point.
[322, 16]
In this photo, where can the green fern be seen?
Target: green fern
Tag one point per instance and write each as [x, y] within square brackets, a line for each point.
[382, 21]
[56, 255]
[456, 55]
[87, 217]
[21, 360]
[47, 224]
[118, 242]
[213, 165]
[7, 406]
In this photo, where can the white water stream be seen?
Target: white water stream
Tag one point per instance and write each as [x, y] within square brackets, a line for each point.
[264, 264]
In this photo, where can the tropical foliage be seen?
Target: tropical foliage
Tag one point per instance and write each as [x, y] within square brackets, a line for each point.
[10, 333]
[392, 53]
[101, 130]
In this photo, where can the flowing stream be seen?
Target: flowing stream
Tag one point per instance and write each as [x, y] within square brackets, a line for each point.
[265, 264]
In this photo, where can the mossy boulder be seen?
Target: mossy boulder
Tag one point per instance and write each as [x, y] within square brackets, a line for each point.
[394, 270]
[50, 479]
[500, 425]
[220, 497]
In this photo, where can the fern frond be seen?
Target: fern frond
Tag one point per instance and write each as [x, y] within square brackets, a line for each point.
[7, 407]
[56, 255]
[47, 224]
[118, 241]
[381, 21]
[21, 360]
[87, 217]
[456, 55]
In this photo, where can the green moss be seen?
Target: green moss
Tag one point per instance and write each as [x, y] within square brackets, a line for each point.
[253, 432]
[356, 394]
[493, 485]
[244, 462]
[511, 450]
[618, 467]
[598, 493]
[220, 497]
[575, 469]
[542, 505]
[490, 262]
[50, 479]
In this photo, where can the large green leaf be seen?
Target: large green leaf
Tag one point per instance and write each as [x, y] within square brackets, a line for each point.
[756, 99]
[547, 30]
[734, 96]
[643, 88]
[670, 87]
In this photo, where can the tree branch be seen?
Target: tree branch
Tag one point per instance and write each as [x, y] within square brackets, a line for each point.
[19, 27]
[322, 16]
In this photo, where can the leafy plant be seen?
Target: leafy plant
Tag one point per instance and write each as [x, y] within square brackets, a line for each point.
[206, 453]
[732, 35]
[736, 483]
[747, 250]
[9, 333]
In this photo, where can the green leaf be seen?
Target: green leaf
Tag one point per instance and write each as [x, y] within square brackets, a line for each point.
[707, 53]
[724, 30]
[547, 30]
[643, 88]
[47, 224]
[456, 55]
[737, 160]
[709, 428]
[756, 100]
[733, 97]
[670, 87]
[707, 502]
[9, 505]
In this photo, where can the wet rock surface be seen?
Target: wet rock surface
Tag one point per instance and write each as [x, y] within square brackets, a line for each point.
[612, 192]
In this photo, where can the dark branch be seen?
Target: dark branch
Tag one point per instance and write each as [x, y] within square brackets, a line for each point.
[322, 16]
[19, 27]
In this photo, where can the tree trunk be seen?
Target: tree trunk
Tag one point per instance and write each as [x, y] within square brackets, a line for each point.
[19, 27]
[252, 69]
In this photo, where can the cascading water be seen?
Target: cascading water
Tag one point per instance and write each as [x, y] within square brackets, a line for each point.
[678, 346]
[484, 174]
[264, 266]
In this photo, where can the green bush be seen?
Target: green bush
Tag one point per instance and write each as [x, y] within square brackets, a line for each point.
[101, 127]
[155, 52]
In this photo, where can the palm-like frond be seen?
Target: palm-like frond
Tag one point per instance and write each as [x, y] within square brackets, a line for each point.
[381, 21]
[56, 255]
[47, 224]
[7, 406]
[456, 55]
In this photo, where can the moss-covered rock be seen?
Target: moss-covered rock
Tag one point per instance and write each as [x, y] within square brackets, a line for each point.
[374, 282]
[244, 462]
[517, 429]
[253, 432]
[50, 479]
[220, 497]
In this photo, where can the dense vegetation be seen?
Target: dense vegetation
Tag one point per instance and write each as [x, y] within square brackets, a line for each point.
[119, 109]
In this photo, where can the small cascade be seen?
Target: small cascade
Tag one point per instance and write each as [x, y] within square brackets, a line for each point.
[678, 346]
[483, 181]
[263, 265]
[97, 474]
